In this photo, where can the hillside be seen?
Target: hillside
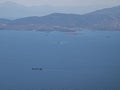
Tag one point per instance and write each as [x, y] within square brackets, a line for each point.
[105, 19]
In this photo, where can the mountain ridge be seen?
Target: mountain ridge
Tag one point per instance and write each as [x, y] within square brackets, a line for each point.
[13, 10]
[105, 19]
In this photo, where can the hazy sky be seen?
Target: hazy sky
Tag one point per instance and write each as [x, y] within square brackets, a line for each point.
[67, 2]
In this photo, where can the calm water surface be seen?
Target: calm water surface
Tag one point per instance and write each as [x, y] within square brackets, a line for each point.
[69, 60]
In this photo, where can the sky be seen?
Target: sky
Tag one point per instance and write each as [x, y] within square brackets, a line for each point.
[84, 3]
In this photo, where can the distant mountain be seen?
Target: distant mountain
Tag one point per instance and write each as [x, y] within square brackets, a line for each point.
[105, 19]
[55, 19]
[108, 18]
[13, 10]
[4, 21]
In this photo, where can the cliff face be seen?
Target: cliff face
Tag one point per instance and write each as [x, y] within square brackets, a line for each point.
[106, 19]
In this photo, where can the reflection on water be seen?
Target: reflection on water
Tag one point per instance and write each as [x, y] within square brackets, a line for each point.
[60, 59]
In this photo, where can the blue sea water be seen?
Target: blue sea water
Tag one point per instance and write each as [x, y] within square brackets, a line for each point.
[85, 59]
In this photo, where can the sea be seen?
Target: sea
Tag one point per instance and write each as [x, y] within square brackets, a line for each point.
[81, 60]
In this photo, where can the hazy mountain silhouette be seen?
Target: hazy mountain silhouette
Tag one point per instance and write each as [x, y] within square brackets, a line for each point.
[13, 10]
[105, 19]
